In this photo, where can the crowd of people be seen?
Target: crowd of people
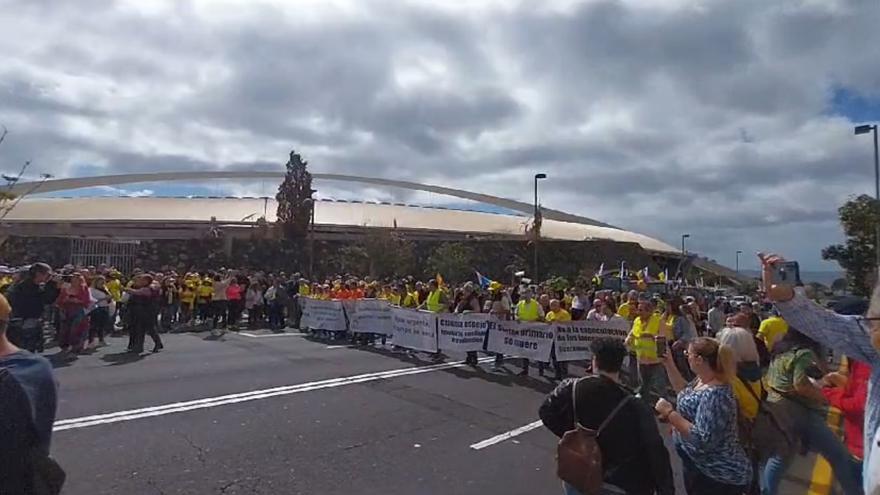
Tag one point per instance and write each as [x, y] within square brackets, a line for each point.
[709, 370]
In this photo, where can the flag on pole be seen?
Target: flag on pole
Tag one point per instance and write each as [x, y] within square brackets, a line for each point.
[483, 280]
[664, 276]
[601, 270]
[646, 277]
[622, 270]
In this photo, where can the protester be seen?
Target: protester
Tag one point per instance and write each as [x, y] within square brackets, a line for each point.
[629, 309]
[795, 365]
[28, 402]
[704, 423]
[143, 304]
[856, 337]
[634, 457]
[99, 316]
[468, 303]
[528, 310]
[642, 339]
[73, 301]
[716, 317]
[848, 394]
[772, 329]
[29, 298]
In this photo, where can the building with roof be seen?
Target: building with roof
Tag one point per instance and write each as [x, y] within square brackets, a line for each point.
[96, 227]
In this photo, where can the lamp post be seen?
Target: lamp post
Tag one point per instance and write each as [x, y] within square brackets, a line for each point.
[683, 250]
[864, 129]
[737, 261]
[537, 224]
[311, 203]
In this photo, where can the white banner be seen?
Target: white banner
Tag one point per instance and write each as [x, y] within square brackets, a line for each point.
[414, 329]
[371, 316]
[573, 339]
[323, 315]
[521, 339]
[462, 332]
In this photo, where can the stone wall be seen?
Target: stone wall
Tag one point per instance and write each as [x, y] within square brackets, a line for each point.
[494, 258]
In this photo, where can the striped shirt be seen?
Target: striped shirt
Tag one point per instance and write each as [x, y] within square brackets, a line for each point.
[849, 335]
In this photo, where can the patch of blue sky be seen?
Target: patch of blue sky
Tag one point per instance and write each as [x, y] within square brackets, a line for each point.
[856, 107]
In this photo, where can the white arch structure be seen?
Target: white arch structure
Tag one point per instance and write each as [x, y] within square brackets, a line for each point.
[56, 185]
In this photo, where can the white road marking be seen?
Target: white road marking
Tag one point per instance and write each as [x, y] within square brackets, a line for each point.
[336, 347]
[506, 435]
[255, 336]
[177, 407]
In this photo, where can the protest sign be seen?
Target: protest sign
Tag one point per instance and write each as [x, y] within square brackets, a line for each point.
[573, 339]
[371, 316]
[462, 332]
[521, 339]
[414, 329]
[322, 315]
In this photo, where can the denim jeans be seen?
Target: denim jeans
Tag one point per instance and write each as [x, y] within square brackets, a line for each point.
[654, 383]
[811, 428]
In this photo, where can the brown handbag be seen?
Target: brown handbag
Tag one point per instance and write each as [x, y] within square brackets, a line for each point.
[578, 457]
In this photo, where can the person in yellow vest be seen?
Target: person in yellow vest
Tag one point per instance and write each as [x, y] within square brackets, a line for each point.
[187, 301]
[393, 296]
[436, 300]
[411, 299]
[772, 330]
[642, 339]
[528, 309]
[628, 309]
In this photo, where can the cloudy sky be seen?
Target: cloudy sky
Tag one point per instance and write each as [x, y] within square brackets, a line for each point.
[729, 120]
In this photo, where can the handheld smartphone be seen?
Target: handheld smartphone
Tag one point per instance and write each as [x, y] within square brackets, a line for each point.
[660, 340]
[787, 273]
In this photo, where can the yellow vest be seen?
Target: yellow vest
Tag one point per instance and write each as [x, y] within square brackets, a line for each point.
[644, 343]
[528, 311]
[433, 301]
[394, 299]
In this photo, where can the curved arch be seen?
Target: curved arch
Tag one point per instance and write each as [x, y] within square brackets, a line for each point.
[56, 185]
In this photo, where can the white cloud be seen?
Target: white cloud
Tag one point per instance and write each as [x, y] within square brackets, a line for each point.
[660, 116]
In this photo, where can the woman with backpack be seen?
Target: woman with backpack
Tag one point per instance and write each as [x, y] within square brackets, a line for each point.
[794, 365]
[704, 423]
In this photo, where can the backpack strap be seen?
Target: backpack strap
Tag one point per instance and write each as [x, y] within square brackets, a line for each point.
[611, 415]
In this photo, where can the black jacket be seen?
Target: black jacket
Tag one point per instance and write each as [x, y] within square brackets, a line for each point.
[634, 456]
[28, 299]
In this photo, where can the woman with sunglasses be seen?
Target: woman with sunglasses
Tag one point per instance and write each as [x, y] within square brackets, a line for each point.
[704, 425]
[856, 337]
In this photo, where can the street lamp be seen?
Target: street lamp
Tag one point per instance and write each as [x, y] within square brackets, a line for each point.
[537, 224]
[864, 129]
[683, 250]
[311, 203]
[737, 261]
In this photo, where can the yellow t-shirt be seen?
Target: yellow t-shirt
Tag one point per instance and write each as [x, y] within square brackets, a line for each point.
[748, 405]
[771, 330]
[114, 287]
[560, 316]
[206, 293]
[625, 310]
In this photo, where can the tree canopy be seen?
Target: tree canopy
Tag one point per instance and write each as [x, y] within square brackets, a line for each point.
[859, 218]
[295, 203]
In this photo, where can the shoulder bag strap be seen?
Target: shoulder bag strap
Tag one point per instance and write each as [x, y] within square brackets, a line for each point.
[613, 413]
[574, 407]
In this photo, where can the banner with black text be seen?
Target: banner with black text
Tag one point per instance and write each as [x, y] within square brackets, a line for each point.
[520, 339]
[462, 332]
[573, 339]
[371, 316]
[414, 329]
[322, 315]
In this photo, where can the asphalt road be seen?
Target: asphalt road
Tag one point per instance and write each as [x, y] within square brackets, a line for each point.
[287, 415]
